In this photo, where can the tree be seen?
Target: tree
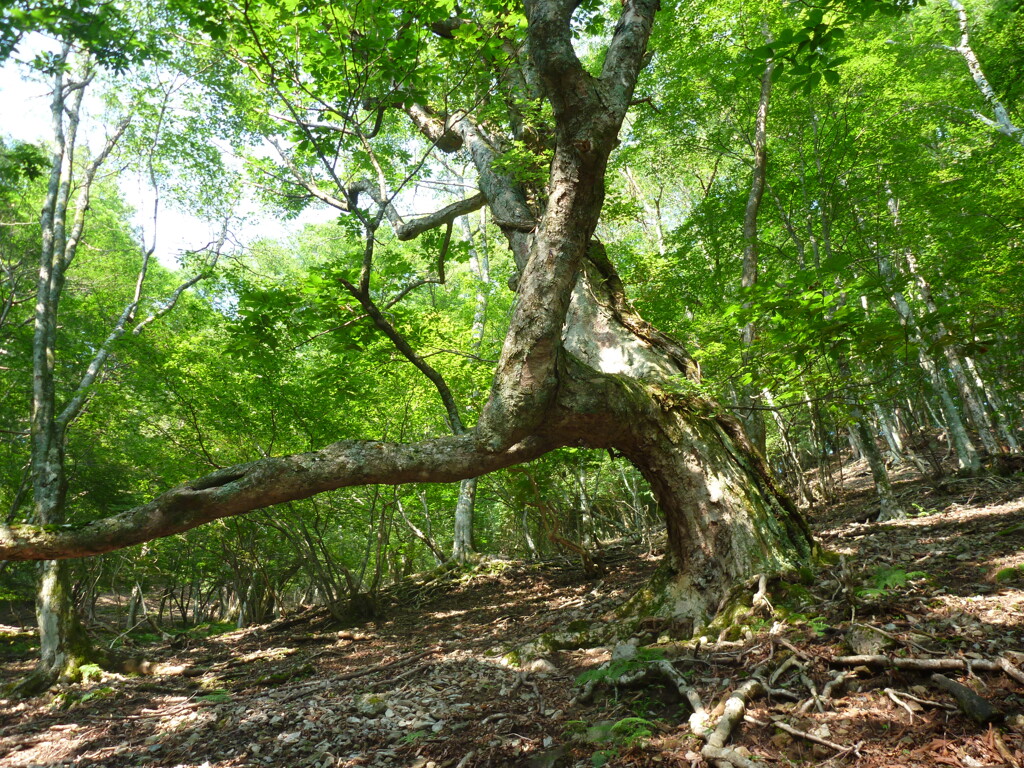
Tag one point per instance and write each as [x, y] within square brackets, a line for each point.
[579, 366]
[60, 392]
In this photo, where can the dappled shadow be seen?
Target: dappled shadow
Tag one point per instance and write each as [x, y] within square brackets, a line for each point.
[430, 680]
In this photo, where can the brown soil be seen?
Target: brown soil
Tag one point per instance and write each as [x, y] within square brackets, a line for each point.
[428, 685]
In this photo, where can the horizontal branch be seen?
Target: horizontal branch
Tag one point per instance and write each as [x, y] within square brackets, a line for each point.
[246, 487]
[416, 227]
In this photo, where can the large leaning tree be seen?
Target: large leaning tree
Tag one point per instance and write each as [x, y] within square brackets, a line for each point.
[579, 366]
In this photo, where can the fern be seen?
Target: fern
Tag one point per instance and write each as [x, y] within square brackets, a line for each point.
[886, 579]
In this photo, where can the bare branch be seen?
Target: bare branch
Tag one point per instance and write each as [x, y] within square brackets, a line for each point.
[264, 483]
[416, 227]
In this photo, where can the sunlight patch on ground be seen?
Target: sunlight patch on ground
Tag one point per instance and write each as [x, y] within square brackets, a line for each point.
[267, 654]
[449, 614]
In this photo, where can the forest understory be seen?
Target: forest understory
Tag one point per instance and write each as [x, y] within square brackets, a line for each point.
[906, 651]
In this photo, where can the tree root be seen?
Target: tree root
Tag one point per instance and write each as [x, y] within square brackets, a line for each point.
[715, 726]
[971, 704]
[931, 665]
[733, 711]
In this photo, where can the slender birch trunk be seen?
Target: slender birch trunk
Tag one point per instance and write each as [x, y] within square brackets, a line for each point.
[996, 404]
[975, 410]
[749, 394]
[63, 644]
[465, 507]
[1001, 121]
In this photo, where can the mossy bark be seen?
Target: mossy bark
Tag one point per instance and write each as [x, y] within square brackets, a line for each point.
[726, 520]
[64, 646]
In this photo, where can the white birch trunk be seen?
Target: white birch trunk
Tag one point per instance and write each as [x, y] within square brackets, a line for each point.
[1002, 121]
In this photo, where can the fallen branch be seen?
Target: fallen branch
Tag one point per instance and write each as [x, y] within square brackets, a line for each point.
[972, 705]
[1010, 669]
[842, 750]
[382, 667]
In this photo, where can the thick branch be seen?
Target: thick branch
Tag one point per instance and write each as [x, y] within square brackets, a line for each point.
[552, 52]
[259, 484]
[410, 230]
[413, 229]
[434, 128]
[626, 52]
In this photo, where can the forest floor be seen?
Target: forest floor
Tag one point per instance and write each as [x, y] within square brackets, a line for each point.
[428, 686]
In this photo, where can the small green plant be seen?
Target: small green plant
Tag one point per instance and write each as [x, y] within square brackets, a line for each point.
[97, 693]
[885, 580]
[213, 628]
[632, 731]
[1013, 573]
[1011, 530]
[218, 696]
[921, 511]
[628, 732]
[90, 673]
[613, 736]
[620, 667]
[412, 738]
[818, 624]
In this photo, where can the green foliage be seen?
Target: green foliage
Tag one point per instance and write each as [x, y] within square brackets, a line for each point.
[619, 667]
[219, 696]
[100, 692]
[886, 579]
[104, 28]
[524, 164]
[626, 733]
[90, 673]
[875, 151]
[922, 511]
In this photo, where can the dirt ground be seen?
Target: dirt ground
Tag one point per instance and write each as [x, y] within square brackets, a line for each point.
[430, 685]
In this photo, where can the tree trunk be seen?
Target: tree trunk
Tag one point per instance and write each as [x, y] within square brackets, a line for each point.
[995, 402]
[967, 454]
[462, 541]
[889, 508]
[791, 457]
[726, 521]
[749, 395]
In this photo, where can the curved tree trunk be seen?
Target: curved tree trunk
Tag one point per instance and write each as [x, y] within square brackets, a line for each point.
[579, 367]
[726, 519]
